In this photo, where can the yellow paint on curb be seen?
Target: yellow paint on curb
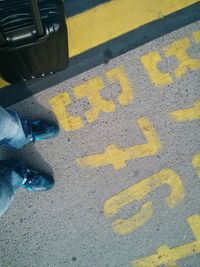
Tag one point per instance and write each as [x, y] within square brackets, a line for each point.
[108, 21]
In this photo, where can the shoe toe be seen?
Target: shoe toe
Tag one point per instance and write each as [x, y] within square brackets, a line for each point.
[42, 130]
[39, 182]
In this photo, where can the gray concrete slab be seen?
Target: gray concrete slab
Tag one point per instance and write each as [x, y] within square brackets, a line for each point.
[67, 226]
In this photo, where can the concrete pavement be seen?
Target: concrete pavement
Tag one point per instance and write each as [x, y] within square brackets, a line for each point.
[126, 165]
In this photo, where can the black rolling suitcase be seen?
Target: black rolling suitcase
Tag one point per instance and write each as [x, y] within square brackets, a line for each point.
[33, 39]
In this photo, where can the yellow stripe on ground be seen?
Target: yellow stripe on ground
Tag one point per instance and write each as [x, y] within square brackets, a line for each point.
[117, 17]
[105, 22]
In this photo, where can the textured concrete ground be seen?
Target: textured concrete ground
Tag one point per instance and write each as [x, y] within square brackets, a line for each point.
[77, 223]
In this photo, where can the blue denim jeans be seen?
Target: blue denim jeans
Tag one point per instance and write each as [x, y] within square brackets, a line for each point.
[12, 173]
[14, 133]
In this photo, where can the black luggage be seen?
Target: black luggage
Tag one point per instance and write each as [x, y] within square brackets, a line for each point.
[33, 39]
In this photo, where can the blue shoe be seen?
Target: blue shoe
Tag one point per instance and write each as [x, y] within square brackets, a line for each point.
[42, 130]
[37, 181]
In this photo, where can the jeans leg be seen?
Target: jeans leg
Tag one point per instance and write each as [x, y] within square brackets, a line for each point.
[14, 132]
[6, 194]
[12, 177]
[14, 171]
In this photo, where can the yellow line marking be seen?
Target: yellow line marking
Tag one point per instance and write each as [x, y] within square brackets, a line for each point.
[150, 62]
[91, 89]
[187, 114]
[118, 157]
[179, 50]
[196, 163]
[196, 36]
[126, 226]
[110, 20]
[66, 121]
[118, 75]
[138, 192]
[169, 256]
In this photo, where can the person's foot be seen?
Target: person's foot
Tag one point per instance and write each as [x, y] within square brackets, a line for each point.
[37, 181]
[42, 130]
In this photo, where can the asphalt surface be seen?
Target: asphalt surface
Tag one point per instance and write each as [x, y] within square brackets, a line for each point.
[70, 225]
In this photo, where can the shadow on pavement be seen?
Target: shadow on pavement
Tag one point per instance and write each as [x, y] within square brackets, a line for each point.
[30, 110]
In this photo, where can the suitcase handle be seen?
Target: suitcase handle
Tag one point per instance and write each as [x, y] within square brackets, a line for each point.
[35, 12]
